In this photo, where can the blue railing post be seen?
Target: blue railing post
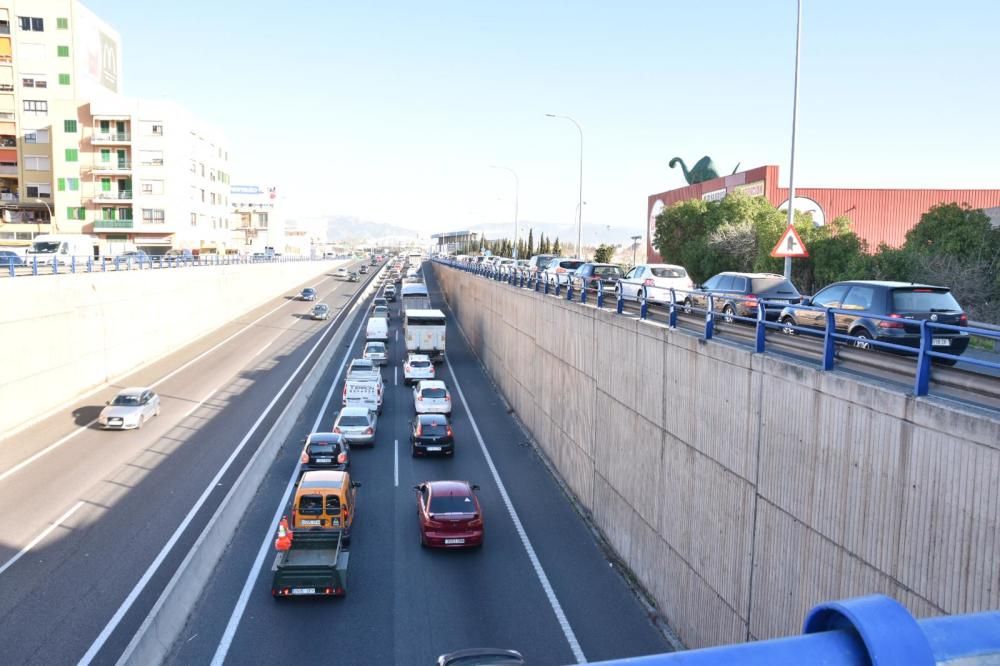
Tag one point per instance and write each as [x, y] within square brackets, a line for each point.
[546, 286]
[569, 290]
[672, 320]
[90, 264]
[535, 278]
[644, 303]
[10, 267]
[104, 264]
[55, 265]
[583, 291]
[72, 264]
[600, 294]
[761, 326]
[710, 318]
[34, 265]
[620, 304]
[828, 339]
[922, 381]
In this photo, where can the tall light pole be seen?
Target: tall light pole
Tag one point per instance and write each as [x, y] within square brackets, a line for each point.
[579, 219]
[795, 123]
[635, 246]
[52, 219]
[517, 187]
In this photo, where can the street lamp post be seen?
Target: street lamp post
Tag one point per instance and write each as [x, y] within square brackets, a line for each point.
[579, 220]
[795, 122]
[517, 187]
[52, 219]
[635, 245]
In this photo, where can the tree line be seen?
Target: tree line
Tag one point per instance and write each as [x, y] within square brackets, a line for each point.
[503, 247]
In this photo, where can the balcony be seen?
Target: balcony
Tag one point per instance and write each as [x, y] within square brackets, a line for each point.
[113, 224]
[121, 166]
[110, 138]
[8, 169]
[9, 197]
[114, 195]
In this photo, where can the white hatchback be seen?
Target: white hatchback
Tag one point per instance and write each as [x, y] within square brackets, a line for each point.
[658, 279]
[417, 368]
[431, 396]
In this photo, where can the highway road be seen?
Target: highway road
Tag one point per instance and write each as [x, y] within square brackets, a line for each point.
[545, 589]
[93, 523]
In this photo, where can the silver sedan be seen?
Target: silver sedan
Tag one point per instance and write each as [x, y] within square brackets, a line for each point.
[131, 408]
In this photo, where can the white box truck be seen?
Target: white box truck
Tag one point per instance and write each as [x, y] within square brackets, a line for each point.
[424, 332]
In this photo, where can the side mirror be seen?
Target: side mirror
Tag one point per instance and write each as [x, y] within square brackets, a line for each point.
[475, 486]
[107, 402]
[418, 487]
[355, 484]
[806, 301]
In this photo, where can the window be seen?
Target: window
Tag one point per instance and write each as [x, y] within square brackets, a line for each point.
[37, 106]
[39, 190]
[36, 136]
[37, 163]
[62, 51]
[31, 23]
[262, 220]
[859, 298]
[830, 297]
[194, 167]
[712, 283]
[74, 184]
[34, 81]
[64, 79]
[203, 196]
[151, 157]
[62, 24]
[69, 126]
[151, 186]
[194, 219]
[72, 155]
[61, 184]
[152, 215]
[157, 130]
[74, 213]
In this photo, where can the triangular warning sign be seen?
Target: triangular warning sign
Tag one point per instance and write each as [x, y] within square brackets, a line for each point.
[790, 245]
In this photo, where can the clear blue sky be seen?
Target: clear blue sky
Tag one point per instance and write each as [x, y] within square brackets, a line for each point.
[393, 111]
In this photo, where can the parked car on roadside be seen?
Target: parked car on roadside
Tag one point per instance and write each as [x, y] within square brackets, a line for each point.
[10, 258]
[538, 262]
[737, 294]
[179, 256]
[590, 273]
[904, 303]
[658, 279]
[559, 269]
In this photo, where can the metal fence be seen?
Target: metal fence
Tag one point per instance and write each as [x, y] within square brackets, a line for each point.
[33, 265]
[925, 352]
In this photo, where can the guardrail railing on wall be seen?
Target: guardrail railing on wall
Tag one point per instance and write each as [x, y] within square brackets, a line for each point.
[87, 264]
[925, 350]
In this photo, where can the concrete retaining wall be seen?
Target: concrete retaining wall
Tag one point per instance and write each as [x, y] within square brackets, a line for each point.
[72, 333]
[743, 489]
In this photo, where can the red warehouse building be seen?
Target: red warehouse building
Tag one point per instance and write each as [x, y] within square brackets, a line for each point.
[877, 215]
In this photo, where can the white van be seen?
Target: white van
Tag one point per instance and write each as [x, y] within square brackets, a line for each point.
[378, 329]
[62, 248]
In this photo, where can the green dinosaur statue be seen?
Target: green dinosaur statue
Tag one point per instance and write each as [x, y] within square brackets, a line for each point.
[704, 169]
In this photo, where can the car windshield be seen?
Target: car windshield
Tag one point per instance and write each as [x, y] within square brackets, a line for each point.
[924, 300]
[308, 292]
[607, 271]
[662, 272]
[773, 284]
[122, 400]
[352, 421]
[434, 393]
[452, 504]
[45, 247]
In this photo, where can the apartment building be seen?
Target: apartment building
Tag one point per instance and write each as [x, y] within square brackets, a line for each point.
[52, 53]
[256, 219]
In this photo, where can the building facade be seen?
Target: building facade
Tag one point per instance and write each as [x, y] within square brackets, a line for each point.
[877, 215]
[255, 221]
[451, 242]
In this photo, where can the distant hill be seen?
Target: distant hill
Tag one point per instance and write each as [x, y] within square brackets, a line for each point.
[592, 234]
[349, 228]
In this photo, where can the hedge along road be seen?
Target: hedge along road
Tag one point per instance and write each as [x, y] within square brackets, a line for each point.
[406, 604]
[133, 494]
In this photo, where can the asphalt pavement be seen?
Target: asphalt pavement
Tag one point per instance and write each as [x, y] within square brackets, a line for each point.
[93, 523]
[545, 589]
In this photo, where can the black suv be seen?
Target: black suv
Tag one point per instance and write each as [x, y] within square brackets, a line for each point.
[325, 450]
[738, 294]
[591, 272]
[903, 301]
[431, 433]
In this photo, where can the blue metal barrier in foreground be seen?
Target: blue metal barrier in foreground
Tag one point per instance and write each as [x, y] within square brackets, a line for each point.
[857, 632]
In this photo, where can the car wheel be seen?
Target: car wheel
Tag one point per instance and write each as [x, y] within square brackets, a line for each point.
[413, 451]
[863, 339]
[157, 409]
[423, 541]
[142, 421]
[688, 306]
[728, 314]
[787, 323]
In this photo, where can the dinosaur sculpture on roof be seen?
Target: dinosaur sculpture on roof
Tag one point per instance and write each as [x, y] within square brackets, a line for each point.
[704, 169]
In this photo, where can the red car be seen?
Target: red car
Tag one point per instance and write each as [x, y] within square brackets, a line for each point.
[449, 514]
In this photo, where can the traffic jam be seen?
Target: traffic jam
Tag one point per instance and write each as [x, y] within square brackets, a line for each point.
[313, 539]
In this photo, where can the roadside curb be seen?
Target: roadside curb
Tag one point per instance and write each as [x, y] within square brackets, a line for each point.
[168, 617]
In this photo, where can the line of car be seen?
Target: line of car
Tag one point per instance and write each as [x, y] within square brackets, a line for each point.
[867, 310]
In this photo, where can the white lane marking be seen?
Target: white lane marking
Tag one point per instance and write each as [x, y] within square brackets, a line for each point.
[52, 447]
[261, 350]
[567, 630]
[241, 604]
[38, 539]
[397, 335]
[395, 375]
[395, 461]
[151, 571]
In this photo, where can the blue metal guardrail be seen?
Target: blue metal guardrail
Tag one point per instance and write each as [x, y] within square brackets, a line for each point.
[73, 264]
[924, 353]
[864, 631]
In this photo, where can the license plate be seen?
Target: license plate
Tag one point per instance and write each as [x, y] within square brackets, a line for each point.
[303, 590]
[778, 300]
[433, 448]
[453, 542]
[324, 460]
[309, 522]
[941, 342]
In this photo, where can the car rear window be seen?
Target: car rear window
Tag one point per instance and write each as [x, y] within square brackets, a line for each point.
[924, 300]
[571, 265]
[420, 364]
[773, 285]
[607, 271]
[434, 429]
[452, 504]
[434, 393]
[353, 421]
[311, 505]
[376, 348]
[668, 272]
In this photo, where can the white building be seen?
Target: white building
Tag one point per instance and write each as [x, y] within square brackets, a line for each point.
[255, 219]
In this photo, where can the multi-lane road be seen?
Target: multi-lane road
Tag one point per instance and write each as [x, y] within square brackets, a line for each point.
[109, 516]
